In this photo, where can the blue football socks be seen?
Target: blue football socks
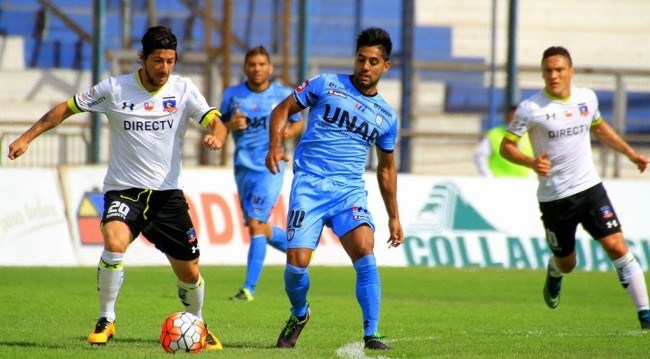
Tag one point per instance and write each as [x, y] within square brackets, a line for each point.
[278, 239]
[296, 284]
[256, 255]
[368, 292]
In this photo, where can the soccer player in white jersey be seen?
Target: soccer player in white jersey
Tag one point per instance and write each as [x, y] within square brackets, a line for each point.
[559, 120]
[347, 117]
[148, 113]
[246, 111]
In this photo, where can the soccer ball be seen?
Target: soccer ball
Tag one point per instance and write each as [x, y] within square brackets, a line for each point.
[183, 332]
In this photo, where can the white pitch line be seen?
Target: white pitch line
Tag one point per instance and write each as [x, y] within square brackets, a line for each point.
[355, 351]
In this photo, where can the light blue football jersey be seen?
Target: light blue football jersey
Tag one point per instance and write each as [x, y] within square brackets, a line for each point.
[343, 125]
[252, 144]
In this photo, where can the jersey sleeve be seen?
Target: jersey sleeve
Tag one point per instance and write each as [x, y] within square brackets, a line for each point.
[520, 123]
[307, 94]
[386, 142]
[597, 117]
[224, 108]
[198, 106]
[96, 99]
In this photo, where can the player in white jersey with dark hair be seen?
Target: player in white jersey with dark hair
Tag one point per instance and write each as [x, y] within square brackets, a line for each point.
[559, 120]
[148, 113]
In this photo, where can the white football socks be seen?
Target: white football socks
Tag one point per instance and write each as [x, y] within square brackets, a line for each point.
[631, 276]
[110, 275]
[553, 270]
[191, 295]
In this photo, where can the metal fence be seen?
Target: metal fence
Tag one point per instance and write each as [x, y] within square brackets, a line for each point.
[460, 62]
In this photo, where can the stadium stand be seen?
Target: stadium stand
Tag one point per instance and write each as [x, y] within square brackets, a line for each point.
[448, 102]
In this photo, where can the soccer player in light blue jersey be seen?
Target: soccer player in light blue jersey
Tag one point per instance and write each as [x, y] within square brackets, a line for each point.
[347, 117]
[246, 110]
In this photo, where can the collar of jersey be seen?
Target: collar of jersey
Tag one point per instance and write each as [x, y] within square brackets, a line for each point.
[139, 80]
[556, 98]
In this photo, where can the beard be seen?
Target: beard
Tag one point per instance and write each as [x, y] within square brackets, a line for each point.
[152, 80]
[364, 85]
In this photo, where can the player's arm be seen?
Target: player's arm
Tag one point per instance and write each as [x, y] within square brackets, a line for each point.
[387, 180]
[481, 156]
[293, 129]
[510, 151]
[607, 136]
[237, 121]
[51, 119]
[216, 137]
[279, 118]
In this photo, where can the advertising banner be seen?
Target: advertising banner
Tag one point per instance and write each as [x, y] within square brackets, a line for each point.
[478, 222]
[214, 208]
[33, 226]
[447, 221]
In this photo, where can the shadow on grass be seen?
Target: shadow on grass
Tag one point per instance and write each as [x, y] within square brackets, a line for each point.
[31, 345]
[129, 340]
[248, 345]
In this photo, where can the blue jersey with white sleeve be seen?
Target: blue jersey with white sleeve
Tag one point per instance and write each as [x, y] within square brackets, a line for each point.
[343, 125]
[252, 143]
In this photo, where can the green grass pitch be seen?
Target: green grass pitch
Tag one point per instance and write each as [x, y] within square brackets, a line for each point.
[426, 313]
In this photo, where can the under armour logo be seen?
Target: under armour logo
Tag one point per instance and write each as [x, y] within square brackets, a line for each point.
[182, 295]
[127, 104]
[611, 224]
[550, 116]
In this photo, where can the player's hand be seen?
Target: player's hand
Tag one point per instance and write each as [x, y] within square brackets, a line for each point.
[238, 121]
[639, 160]
[17, 148]
[273, 159]
[212, 143]
[396, 233]
[542, 166]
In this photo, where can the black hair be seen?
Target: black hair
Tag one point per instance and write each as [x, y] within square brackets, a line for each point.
[557, 51]
[257, 50]
[157, 38]
[374, 36]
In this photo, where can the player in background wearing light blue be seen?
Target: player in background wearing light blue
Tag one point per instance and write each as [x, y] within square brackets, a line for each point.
[347, 117]
[246, 110]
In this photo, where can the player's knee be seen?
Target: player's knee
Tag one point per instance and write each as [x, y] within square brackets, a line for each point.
[117, 236]
[191, 275]
[566, 264]
[256, 228]
[614, 245]
[299, 257]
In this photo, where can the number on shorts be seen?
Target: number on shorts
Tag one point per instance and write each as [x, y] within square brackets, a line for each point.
[118, 207]
[295, 218]
[551, 239]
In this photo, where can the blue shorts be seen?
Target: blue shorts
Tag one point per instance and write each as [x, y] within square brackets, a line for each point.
[316, 202]
[258, 192]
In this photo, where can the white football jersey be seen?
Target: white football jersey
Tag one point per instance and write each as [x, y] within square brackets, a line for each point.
[561, 128]
[147, 128]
